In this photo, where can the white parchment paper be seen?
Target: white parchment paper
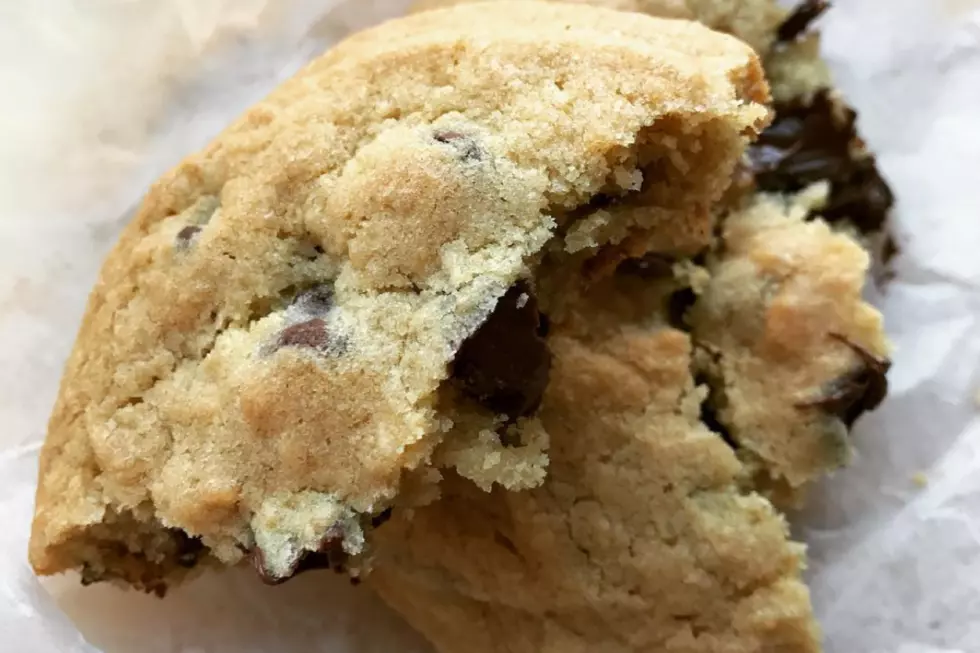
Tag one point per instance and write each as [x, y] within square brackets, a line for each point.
[100, 97]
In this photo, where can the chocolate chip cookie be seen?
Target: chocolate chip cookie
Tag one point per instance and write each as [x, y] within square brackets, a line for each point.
[351, 293]
[687, 384]
[811, 149]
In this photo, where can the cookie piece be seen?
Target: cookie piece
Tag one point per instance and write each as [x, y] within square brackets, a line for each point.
[271, 355]
[639, 539]
[792, 353]
[813, 136]
[811, 146]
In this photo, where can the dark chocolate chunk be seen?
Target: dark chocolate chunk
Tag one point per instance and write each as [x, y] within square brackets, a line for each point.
[861, 390]
[311, 333]
[799, 21]
[807, 143]
[187, 234]
[544, 325]
[504, 365]
[465, 146]
[189, 550]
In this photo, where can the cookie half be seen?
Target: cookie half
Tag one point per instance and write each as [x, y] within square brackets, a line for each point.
[810, 159]
[344, 293]
[684, 390]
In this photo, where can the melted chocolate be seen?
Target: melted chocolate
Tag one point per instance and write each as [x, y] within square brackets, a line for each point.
[312, 333]
[504, 365]
[858, 391]
[187, 234]
[807, 143]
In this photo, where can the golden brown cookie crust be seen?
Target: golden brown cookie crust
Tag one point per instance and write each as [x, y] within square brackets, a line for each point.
[247, 365]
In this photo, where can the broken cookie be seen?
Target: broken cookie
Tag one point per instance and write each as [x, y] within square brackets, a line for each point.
[810, 158]
[349, 292]
[697, 385]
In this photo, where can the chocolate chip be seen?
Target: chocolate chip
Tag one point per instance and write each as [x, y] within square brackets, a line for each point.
[465, 146]
[311, 333]
[307, 324]
[544, 325]
[187, 234]
[861, 390]
[504, 365]
[799, 21]
[807, 143]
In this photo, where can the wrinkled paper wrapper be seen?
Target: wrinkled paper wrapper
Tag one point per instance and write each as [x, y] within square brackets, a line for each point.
[101, 97]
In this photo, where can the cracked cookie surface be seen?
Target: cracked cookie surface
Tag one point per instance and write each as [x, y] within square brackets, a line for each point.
[266, 364]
